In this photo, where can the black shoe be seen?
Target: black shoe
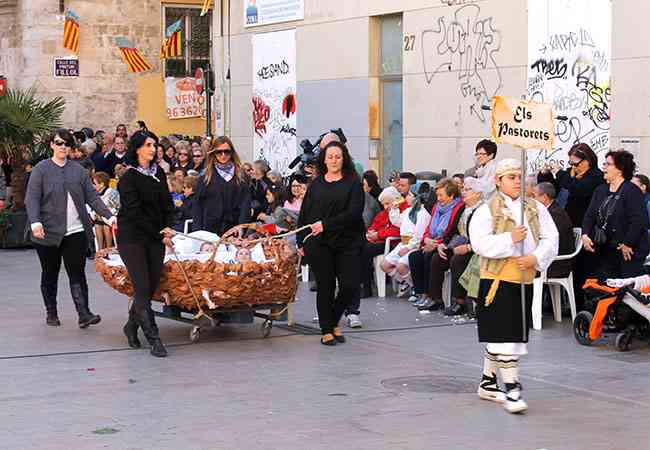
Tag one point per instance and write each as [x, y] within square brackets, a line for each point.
[80, 298]
[329, 343]
[339, 337]
[435, 307]
[455, 310]
[52, 320]
[158, 349]
[131, 332]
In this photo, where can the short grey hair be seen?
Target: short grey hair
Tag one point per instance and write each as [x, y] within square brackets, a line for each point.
[547, 189]
[89, 145]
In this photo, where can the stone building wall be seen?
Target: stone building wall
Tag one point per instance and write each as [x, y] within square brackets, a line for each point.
[105, 92]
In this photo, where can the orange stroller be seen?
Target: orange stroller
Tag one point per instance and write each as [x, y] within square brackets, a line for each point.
[621, 310]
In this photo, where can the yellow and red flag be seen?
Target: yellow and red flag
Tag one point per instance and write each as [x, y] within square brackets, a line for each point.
[132, 56]
[171, 46]
[206, 7]
[71, 31]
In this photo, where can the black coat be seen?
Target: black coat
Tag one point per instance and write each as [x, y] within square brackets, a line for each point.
[628, 223]
[220, 204]
[580, 192]
[258, 195]
[561, 269]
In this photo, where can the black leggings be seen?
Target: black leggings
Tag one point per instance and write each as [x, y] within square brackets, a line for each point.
[330, 265]
[73, 252]
[144, 262]
[420, 265]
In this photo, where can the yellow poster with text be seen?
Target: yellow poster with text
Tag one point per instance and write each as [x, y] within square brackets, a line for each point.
[522, 123]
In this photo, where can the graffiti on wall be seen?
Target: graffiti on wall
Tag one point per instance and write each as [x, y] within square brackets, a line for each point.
[274, 98]
[466, 43]
[569, 67]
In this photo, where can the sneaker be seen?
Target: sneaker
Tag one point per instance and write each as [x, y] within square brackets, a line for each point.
[488, 389]
[455, 310]
[423, 301]
[514, 403]
[432, 306]
[354, 321]
[314, 319]
[414, 298]
[403, 290]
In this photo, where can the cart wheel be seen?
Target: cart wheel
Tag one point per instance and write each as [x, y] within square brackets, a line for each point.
[195, 334]
[624, 341]
[581, 326]
[267, 326]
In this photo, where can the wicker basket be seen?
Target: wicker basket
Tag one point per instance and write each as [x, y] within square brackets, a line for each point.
[216, 285]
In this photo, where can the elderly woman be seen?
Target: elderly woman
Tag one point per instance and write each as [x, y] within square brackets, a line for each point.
[616, 223]
[259, 185]
[456, 253]
[183, 153]
[485, 153]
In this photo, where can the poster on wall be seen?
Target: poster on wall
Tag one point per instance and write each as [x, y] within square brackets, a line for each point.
[266, 12]
[274, 98]
[185, 97]
[569, 63]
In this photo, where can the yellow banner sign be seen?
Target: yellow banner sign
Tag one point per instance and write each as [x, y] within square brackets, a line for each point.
[522, 123]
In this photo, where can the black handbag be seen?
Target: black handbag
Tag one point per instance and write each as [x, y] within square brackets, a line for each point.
[600, 232]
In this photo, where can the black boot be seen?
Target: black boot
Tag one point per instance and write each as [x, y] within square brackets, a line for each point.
[131, 331]
[80, 298]
[49, 298]
[147, 322]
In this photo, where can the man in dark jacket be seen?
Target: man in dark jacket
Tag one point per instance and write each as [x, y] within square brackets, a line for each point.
[545, 193]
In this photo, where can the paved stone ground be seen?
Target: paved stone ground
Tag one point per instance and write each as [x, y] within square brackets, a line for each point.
[403, 382]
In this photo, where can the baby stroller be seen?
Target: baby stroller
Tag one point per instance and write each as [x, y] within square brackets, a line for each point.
[613, 306]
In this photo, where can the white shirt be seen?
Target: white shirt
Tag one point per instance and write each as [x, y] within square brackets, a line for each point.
[485, 176]
[487, 244]
[407, 228]
[73, 222]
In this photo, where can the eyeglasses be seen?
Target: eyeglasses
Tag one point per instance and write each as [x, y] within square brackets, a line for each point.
[197, 156]
[223, 152]
[60, 143]
[480, 154]
[183, 154]
[606, 165]
[296, 186]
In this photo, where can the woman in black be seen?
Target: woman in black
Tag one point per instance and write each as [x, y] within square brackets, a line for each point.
[222, 197]
[146, 213]
[616, 223]
[259, 185]
[333, 206]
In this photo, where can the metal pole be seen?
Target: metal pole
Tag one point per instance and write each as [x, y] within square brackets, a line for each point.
[522, 197]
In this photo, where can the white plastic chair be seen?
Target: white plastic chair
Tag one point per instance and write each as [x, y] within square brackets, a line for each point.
[555, 286]
[380, 275]
[186, 227]
[446, 289]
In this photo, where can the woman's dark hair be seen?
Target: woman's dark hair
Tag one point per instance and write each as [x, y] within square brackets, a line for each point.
[583, 151]
[348, 169]
[136, 141]
[65, 135]
[373, 182]
[424, 188]
[489, 147]
[102, 178]
[278, 196]
[298, 178]
[645, 181]
[624, 161]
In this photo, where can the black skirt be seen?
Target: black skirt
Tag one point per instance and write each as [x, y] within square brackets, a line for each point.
[502, 320]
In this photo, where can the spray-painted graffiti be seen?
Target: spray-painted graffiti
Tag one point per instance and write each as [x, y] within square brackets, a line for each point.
[569, 67]
[261, 114]
[467, 44]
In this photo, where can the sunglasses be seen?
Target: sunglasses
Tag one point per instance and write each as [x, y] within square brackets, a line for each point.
[197, 156]
[183, 154]
[223, 152]
[60, 143]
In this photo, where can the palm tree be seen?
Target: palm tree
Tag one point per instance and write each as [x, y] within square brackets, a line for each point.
[25, 119]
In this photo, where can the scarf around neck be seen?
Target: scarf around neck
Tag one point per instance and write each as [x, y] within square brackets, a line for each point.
[441, 218]
[148, 171]
[227, 171]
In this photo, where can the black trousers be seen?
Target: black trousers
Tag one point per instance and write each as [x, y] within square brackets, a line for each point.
[329, 265]
[458, 264]
[72, 251]
[144, 262]
[420, 265]
[368, 254]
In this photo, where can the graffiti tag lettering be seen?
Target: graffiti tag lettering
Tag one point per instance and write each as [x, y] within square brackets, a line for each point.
[261, 114]
[273, 70]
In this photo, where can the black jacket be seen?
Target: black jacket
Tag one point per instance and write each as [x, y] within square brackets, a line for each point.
[561, 269]
[258, 195]
[628, 223]
[220, 205]
[580, 192]
[145, 206]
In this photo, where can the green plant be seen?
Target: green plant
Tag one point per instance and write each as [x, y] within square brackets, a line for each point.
[25, 119]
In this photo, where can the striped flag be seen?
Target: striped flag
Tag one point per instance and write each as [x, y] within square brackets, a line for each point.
[132, 56]
[71, 31]
[206, 7]
[171, 47]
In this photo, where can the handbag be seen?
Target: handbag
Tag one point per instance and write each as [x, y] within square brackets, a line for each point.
[600, 232]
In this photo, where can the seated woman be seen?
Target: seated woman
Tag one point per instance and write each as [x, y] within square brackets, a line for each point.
[380, 230]
[412, 222]
[111, 199]
[455, 254]
[444, 224]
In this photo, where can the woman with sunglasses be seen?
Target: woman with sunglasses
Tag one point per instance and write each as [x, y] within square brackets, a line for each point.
[222, 197]
[183, 153]
[57, 194]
